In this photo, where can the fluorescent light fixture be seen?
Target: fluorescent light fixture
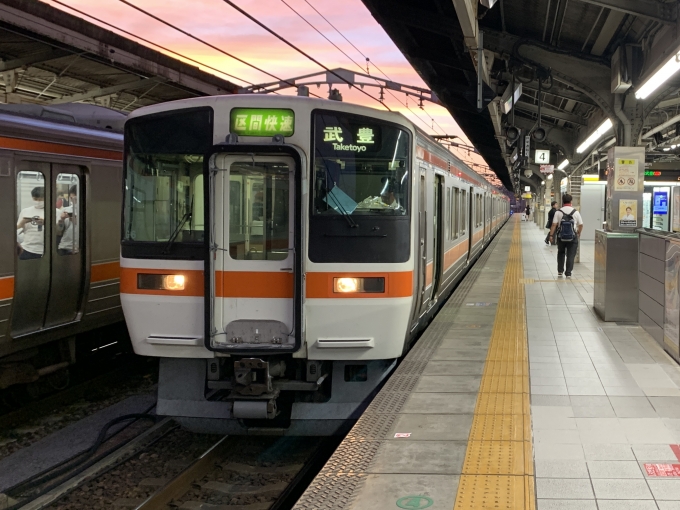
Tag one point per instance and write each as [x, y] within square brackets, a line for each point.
[507, 101]
[604, 127]
[659, 78]
[550, 177]
[666, 149]
[563, 165]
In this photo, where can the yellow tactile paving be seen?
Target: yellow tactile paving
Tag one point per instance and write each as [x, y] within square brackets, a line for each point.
[498, 467]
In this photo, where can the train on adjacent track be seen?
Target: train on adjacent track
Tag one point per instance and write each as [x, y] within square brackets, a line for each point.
[279, 254]
[60, 201]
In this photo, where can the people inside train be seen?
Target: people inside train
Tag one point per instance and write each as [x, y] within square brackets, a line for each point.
[386, 200]
[30, 234]
[67, 225]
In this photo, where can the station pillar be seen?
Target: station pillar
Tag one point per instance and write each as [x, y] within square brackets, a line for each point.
[616, 247]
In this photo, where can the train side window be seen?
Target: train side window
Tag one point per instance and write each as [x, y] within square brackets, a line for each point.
[31, 212]
[68, 214]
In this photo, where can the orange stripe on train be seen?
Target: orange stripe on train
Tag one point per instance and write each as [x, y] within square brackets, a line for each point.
[58, 148]
[7, 287]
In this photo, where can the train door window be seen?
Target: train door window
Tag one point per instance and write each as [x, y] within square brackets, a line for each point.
[31, 212]
[67, 192]
[455, 215]
[258, 211]
[448, 221]
[463, 212]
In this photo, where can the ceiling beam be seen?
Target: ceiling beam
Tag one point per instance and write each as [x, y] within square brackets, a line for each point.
[546, 111]
[607, 32]
[101, 91]
[664, 13]
[29, 60]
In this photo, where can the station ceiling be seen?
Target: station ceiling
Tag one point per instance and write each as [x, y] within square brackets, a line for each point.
[568, 44]
[50, 57]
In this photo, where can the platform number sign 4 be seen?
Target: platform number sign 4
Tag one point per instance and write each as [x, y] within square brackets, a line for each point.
[541, 157]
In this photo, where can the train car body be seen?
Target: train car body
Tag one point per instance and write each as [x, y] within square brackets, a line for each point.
[60, 200]
[279, 254]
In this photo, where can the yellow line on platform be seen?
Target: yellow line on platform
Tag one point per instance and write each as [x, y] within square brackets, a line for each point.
[498, 472]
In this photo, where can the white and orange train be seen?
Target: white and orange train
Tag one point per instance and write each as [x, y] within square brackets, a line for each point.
[279, 254]
[58, 276]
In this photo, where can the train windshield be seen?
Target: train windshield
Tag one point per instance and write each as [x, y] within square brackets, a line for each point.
[164, 176]
[361, 166]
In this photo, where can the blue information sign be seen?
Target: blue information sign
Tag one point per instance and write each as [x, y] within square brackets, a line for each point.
[660, 202]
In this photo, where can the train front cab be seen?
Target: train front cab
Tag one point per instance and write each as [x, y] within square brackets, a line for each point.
[292, 277]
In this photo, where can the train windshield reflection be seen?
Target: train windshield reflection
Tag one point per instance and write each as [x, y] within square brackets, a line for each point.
[360, 166]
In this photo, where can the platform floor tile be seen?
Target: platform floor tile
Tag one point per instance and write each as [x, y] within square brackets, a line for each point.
[604, 399]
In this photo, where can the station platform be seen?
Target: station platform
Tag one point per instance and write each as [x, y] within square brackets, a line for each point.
[517, 397]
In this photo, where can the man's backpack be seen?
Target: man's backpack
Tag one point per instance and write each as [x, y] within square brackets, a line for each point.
[567, 232]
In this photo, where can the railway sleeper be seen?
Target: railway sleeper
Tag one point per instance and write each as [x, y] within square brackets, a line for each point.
[260, 470]
[265, 491]
[198, 505]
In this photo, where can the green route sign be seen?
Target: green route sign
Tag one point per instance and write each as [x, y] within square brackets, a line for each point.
[415, 502]
[262, 121]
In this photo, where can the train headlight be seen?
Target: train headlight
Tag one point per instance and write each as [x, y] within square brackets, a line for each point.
[374, 285]
[160, 281]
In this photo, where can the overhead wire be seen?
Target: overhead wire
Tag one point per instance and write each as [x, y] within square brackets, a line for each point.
[210, 45]
[377, 68]
[349, 57]
[164, 48]
[301, 52]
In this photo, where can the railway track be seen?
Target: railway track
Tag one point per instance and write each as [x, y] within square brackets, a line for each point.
[216, 481]
[165, 467]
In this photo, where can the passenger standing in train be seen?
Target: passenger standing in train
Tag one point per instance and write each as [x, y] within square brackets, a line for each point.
[30, 224]
[67, 225]
[551, 216]
[566, 248]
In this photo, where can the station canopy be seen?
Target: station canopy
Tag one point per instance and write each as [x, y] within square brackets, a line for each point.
[50, 57]
[592, 58]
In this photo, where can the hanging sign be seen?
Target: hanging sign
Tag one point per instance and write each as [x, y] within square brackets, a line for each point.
[626, 175]
[541, 157]
[546, 169]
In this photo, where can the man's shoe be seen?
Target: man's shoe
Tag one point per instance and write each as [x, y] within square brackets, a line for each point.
[559, 275]
[568, 276]
[547, 242]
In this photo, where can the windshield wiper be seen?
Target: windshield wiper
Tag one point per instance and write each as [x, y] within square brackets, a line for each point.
[174, 235]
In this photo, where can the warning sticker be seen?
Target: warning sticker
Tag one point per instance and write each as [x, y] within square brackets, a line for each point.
[402, 434]
[664, 470]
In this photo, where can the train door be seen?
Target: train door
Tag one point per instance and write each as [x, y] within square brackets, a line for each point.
[438, 230]
[253, 218]
[50, 266]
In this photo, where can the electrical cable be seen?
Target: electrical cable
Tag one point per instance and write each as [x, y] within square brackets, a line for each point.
[83, 461]
[405, 105]
[374, 65]
[195, 38]
[110, 25]
[288, 43]
[350, 58]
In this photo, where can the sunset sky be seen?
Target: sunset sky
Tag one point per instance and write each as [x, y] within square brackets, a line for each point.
[224, 27]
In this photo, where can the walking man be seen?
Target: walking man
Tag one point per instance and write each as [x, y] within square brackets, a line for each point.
[551, 216]
[567, 226]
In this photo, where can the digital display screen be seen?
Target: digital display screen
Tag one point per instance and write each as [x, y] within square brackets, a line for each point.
[262, 121]
[660, 202]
